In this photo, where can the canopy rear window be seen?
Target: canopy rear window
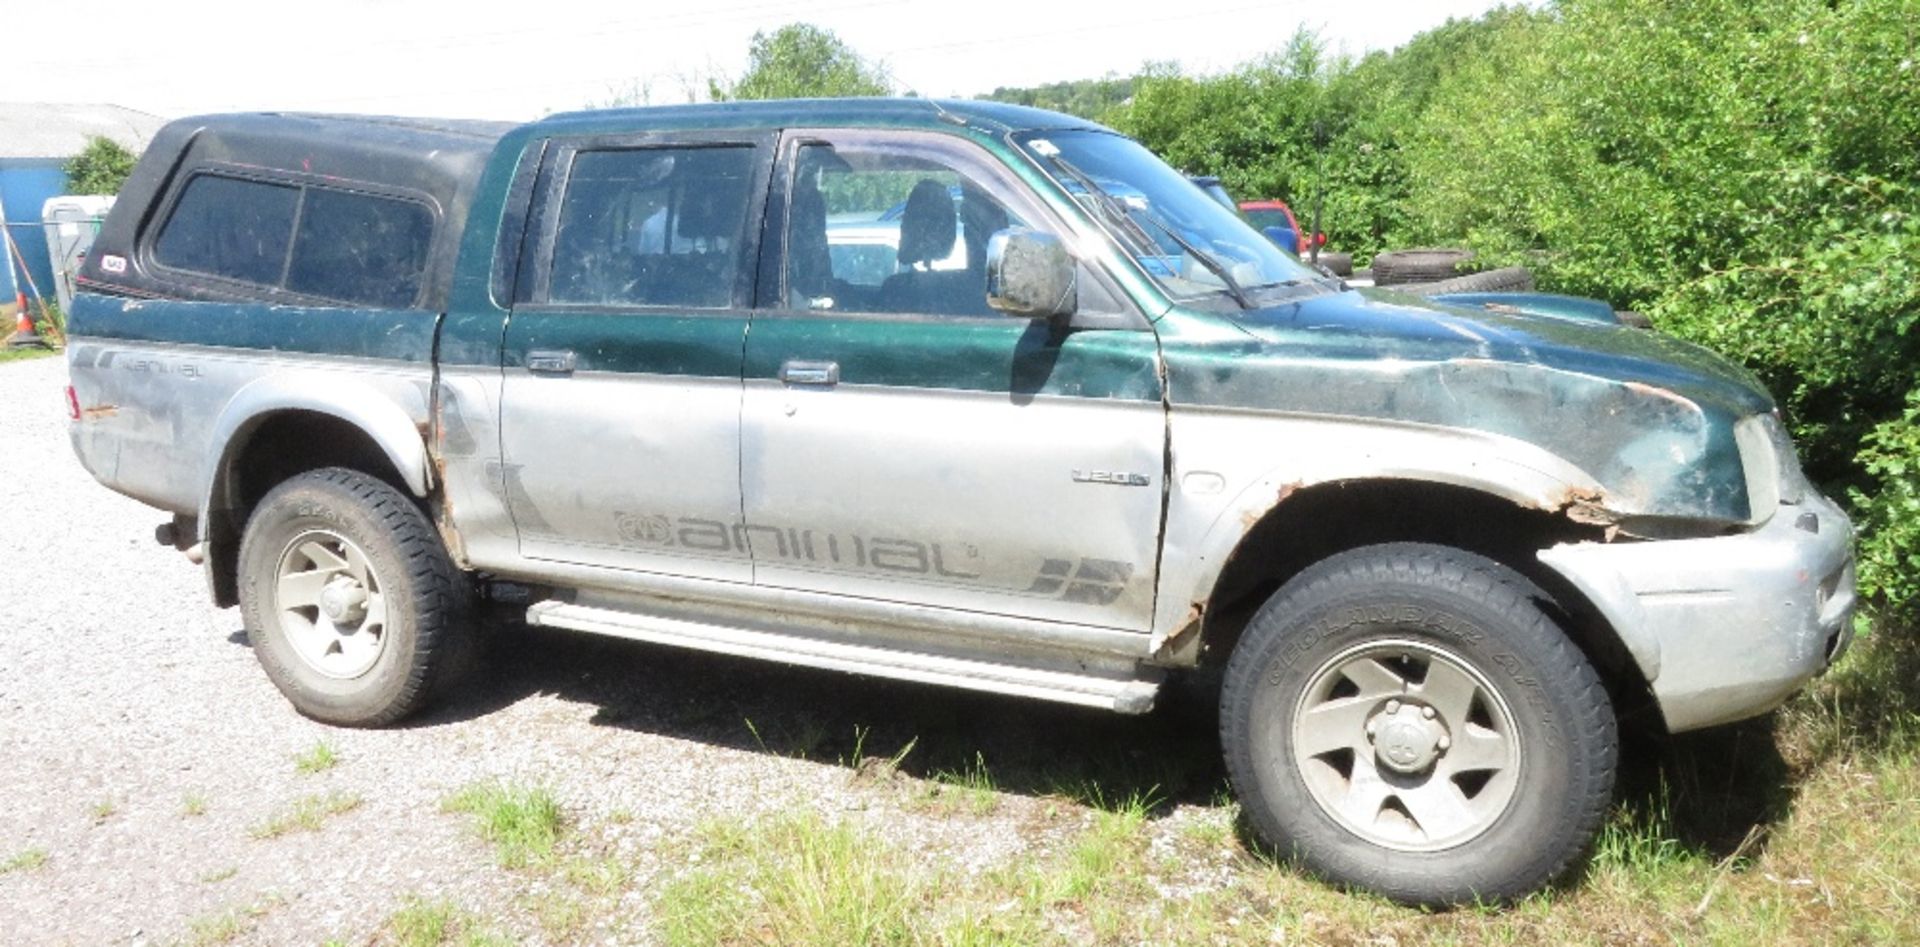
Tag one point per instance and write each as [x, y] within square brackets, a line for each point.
[314, 240]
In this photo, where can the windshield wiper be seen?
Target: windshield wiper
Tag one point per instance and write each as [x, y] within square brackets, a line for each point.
[1214, 266]
[1117, 215]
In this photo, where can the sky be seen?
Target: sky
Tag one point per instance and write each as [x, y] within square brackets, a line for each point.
[520, 60]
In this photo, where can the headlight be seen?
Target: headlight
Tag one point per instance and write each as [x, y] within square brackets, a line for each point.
[1771, 467]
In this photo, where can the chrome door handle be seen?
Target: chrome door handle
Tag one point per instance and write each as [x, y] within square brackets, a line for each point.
[550, 362]
[819, 374]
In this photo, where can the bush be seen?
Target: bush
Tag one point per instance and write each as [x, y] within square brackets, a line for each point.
[1747, 171]
[100, 168]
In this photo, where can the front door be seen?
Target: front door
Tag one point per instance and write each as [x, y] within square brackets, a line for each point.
[903, 442]
[620, 413]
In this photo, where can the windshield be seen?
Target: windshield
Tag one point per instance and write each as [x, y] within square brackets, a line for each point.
[1190, 244]
[1264, 217]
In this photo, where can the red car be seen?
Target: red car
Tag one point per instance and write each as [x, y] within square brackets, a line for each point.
[1264, 214]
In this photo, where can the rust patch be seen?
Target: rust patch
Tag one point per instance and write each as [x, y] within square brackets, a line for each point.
[99, 411]
[1252, 517]
[1587, 507]
[1179, 648]
[456, 550]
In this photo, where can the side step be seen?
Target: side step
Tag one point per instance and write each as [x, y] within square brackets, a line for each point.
[1131, 695]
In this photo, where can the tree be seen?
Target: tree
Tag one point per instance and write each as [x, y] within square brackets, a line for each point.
[100, 168]
[801, 60]
[1087, 98]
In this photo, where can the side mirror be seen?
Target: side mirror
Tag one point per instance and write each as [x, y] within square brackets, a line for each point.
[1030, 274]
[1286, 238]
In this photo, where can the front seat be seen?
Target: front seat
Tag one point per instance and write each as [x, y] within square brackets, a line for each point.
[928, 229]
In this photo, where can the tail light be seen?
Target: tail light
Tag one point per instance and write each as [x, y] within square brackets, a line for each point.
[73, 404]
[1320, 240]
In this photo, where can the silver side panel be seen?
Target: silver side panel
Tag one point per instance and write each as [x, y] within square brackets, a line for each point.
[472, 480]
[628, 471]
[157, 418]
[1231, 467]
[1032, 507]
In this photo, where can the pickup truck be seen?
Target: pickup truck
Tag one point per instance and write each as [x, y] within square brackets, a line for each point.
[1085, 429]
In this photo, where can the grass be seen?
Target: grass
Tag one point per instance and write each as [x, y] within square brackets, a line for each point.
[793, 879]
[231, 924]
[1802, 828]
[318, 759]
[969, 788]
[423, 923]
[306, 814]
[522, 822]
[9, 353]
[193, 804]
[103, 810]
[28, 859]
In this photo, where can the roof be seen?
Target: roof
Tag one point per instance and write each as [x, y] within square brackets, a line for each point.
[779, 113]
[61, 130]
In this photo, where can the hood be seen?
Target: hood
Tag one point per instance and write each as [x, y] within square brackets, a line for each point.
[1651, 418]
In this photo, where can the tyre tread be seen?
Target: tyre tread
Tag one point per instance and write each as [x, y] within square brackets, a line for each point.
[442, 601]
[1495, 586]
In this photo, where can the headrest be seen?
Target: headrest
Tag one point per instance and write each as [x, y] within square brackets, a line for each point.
[928, 224]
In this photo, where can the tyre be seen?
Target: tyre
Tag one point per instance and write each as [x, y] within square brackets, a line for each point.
[350, 600]
[1338, 264]
[1507, 279]
[1418, 266]
[1405, 719]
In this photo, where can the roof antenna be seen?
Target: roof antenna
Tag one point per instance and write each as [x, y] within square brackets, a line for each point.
[945, 115]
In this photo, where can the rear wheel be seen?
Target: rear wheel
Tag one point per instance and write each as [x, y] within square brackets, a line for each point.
[351, 603]
[1406, 719]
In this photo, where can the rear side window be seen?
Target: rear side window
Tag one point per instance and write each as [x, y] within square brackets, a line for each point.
[652, 227]
[346, 246]
[230, 227]
[360, 248]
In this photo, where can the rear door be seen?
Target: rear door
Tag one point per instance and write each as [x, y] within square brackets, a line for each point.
[904, 442]
[620, 410]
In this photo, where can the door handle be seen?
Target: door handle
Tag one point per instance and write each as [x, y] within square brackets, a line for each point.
[550, 362]
[816, 374]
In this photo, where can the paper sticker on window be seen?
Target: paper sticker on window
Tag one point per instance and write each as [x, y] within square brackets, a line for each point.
[1043, 147]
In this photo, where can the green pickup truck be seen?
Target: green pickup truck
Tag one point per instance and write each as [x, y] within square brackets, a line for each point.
[950, 392]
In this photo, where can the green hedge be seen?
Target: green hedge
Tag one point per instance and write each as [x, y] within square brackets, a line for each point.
[1746, 171]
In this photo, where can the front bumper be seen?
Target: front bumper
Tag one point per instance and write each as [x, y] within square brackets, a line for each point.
[1728, 627]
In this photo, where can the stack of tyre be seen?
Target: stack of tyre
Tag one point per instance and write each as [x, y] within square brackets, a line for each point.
[1436, 271]
[1433, 271]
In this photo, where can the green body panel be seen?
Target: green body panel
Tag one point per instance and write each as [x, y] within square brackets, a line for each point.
[476, 319]
[1649, 417]
[631, 343]
[1017, 356]
[402, 335]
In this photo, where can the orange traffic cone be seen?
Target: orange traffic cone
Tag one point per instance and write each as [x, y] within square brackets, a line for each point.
[23, 326]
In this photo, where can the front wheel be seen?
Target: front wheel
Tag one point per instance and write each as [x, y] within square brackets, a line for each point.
[351, 603]
[1406, 719]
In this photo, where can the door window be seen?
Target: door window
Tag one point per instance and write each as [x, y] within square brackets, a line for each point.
[652, 227]
[895, 227]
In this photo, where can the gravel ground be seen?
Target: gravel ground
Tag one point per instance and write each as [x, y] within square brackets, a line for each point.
[141, 747]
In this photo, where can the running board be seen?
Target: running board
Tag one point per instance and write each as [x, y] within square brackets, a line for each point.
[1131, 695]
